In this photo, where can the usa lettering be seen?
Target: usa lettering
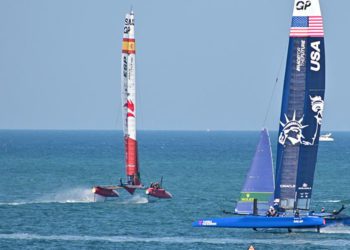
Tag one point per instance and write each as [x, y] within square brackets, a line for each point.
[315, 56]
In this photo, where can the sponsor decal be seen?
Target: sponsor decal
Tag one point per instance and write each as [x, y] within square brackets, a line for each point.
[303, 5]
[247, 197]
[250, 196]
[207, 223]
[315, 56]
[305, 186]
[131, 108]
[301, 55]
[287, 186]
[298, 220]
[125, 66]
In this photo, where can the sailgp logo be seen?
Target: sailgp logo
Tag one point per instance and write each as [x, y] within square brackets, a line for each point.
[303, 5]
[128, 22]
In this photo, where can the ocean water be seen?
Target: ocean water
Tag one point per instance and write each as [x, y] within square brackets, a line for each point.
[46, 200]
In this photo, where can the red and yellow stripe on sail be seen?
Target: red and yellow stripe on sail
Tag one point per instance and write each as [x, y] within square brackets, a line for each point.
[128, 46]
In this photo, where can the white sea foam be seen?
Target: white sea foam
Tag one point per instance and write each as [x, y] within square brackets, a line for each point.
[177, 240]
[336, 229]
[331, 201]
[135, 199]
[73, 195]
[12, 203]
[77, 195]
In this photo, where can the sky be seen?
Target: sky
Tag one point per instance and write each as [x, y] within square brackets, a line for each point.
[200, 64]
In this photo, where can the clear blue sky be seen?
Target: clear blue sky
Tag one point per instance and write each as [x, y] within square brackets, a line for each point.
[200, 64]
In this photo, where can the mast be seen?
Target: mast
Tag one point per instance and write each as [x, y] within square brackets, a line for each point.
[302, 107]
[129, 100]
[259, 182]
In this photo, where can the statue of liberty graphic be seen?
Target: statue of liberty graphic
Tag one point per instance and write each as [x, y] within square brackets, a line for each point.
[293, 128]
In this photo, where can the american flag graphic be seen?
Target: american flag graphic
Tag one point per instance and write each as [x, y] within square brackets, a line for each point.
[307, 26]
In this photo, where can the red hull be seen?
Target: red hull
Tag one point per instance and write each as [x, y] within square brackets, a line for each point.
[105, 192]
[159, 193]
[130, 190]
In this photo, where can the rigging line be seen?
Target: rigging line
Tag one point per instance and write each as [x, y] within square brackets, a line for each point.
[273, 92]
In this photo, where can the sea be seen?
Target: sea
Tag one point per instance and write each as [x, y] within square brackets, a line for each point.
[46, 201]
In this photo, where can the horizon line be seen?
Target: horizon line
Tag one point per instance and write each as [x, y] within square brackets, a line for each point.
[153, 130]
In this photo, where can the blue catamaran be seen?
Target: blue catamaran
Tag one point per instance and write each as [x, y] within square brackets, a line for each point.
[298, 139]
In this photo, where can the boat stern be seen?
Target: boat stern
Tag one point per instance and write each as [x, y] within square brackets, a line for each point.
[105, 191]
[158, 193]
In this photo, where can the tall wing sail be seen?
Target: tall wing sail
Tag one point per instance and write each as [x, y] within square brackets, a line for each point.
[259, 183]
[129, 100]
[302, 107]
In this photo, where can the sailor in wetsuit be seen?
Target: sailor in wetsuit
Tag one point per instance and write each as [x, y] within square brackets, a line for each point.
[336, 212]
[271, 212]
[297, 214]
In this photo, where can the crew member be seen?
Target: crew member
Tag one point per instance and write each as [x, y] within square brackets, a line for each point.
[271, 212]
[297, 214]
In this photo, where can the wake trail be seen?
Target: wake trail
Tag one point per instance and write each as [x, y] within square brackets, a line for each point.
[135, 199]
[336, 229]
[176, 240]
[76, 195]
[73, 195]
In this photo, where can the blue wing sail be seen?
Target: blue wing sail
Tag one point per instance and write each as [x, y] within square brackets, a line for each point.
[302, 108]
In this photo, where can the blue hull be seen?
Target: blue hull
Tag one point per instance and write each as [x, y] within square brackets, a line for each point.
[262, 222]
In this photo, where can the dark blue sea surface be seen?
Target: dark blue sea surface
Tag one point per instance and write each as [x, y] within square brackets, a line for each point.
[46, 200]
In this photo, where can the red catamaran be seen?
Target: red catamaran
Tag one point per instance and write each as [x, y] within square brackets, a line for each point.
[133, 180]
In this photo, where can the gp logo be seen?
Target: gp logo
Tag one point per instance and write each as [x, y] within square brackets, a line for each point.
[303, 5]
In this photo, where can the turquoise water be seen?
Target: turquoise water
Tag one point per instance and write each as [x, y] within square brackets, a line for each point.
[46, 201]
